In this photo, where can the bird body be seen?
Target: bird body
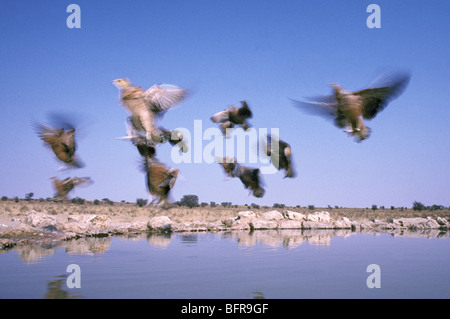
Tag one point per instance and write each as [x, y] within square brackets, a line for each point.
[280, 154]
[63, 187]
[232, 117]
[350, 109]
[145, 106]
[250, 177]
[160, 180]
[62, 143]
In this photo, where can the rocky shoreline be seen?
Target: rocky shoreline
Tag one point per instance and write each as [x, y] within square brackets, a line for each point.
[39, 227]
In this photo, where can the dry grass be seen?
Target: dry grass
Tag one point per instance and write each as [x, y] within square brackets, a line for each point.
[129, 212]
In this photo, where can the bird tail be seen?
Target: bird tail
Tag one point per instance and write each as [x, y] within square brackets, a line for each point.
[363, 134]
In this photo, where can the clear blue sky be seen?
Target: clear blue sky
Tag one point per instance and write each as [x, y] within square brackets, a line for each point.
[225, 51]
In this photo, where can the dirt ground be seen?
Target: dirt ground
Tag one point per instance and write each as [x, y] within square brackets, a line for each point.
[131, 212]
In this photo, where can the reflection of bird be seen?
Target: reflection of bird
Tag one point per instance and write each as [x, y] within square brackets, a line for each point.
[233, 116]
[351, 108]
[144, 106]
[63, 187]
[250, 177]
[160, 180]
[280, 155]
[62, 142]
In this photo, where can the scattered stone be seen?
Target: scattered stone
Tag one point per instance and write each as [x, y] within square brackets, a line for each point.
[263, 224]
[246, 214]
[160, 223]
[272, 215]
[42, 227]
[290, 224]
[37, 219]
[293, 215]
[441, 221]
[322, 217]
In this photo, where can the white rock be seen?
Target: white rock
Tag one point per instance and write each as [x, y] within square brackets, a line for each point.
[263, 224]
[246, 214]
[290, 224]
[160, 223]
[272, 215]
[321, 217]
[441, 221]
[37, 219]
[343, 223]
[293, 215]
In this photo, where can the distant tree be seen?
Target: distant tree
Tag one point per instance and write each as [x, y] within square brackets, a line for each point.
[212, 204]
[141, 202]
[311, 207]
[4, 198]
[189, 201]
[29, 196]
[16, 199]
[392, 207]
[77, 200]
[226, 204]
[374, 207]
[108, 201]
[329, 207]
[276, 205]
[255, 206]
[203, 204]
[96, 202]
[437, 207]
[418, 206]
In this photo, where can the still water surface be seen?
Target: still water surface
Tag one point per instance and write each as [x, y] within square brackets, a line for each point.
[288, 264]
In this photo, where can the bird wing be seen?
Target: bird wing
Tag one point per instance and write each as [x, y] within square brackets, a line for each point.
[221, 117]
[48, 134]
[326, 110]
[374, 100]
[161, 97]
[81, 181]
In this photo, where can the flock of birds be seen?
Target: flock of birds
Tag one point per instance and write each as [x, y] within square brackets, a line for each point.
[347, 110]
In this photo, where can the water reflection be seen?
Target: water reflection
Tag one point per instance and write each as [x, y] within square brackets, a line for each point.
[56, 289]
[287, 239]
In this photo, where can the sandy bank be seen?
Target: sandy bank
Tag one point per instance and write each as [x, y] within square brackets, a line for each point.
[27, 222]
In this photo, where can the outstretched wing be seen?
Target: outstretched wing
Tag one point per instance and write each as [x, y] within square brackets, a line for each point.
[326, 110]
[81, 181]
[376, 99]
[163, 96]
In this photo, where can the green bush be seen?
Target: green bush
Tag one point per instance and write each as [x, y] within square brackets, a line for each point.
[77, 200]
[141, 202]
[418, 206]
[189, 201]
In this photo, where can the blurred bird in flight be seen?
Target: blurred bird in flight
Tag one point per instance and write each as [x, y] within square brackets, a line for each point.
[350, 109]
